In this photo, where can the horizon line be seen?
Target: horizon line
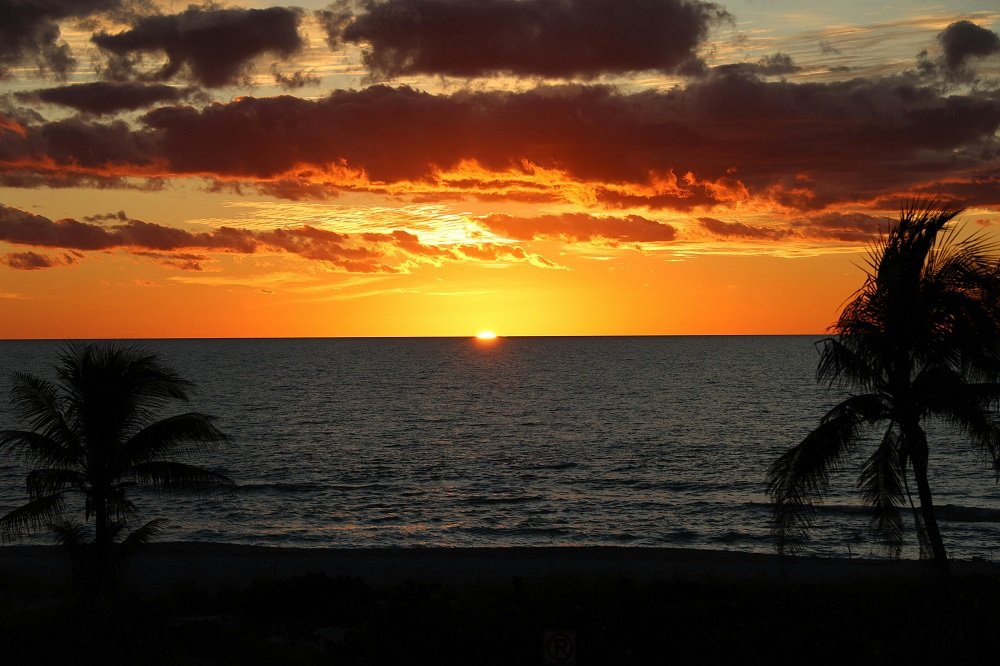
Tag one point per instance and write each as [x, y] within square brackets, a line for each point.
[420, 337]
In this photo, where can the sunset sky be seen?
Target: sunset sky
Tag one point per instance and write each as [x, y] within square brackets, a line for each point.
[442, 167]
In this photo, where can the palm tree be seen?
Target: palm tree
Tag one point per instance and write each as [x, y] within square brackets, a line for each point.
[920, 340]
[94, 434]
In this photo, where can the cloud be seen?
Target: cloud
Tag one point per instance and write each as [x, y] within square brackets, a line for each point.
[842, 227]
[776, 64]
[32, 261]
[727, 139]
[826, 48]
[11, 125]
[848, 227]
[107, 97]
[91, 148]
[740, 230]
[360, 253]
[183, 260]
[38, 176]
[215, 45]
[979, 189]
[495, 252]
[579, 228]
[964, 40]
[29, 32]
[570, 38]
[295, 80]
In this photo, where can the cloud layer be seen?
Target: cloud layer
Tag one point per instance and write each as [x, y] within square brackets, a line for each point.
[729, 138]
[570, 38]
[108, 97]
[358, 253]
[580, 228]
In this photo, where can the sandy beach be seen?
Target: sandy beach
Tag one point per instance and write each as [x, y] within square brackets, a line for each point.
[215, 564]
[232, 604]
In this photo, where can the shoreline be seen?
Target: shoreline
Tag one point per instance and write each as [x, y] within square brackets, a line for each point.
[213, 565]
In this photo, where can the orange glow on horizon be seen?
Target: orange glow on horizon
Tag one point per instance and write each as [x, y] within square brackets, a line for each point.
[486, 335]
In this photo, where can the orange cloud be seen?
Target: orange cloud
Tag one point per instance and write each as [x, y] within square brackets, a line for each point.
[580, 228]
[11, 125]
[725, 141]
[360, 253]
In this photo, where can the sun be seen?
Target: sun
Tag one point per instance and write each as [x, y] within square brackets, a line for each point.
[486, 335]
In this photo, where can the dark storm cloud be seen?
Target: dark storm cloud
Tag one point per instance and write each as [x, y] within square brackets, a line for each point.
[29, 32]
[215, 45]
[569, 38]
[963, 40]
[724, 139]
[108, 97]
[579, 227]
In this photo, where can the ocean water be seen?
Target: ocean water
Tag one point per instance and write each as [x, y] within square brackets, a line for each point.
[639, 441]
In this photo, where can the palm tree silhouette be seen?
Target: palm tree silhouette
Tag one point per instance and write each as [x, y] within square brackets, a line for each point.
[94, 434]
[920, 340]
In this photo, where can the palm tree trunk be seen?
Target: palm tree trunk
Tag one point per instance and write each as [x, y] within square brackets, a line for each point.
[102, 539]
[918, 443]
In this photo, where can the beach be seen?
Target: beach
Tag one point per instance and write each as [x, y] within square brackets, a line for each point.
[216, 564]
[205, 603]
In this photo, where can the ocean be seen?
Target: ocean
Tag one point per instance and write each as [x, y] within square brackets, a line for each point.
[562, 441]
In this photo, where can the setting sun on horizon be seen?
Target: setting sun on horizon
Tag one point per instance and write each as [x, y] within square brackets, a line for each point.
[719, 172]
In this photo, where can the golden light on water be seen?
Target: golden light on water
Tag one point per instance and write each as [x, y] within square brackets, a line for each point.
[486, 335]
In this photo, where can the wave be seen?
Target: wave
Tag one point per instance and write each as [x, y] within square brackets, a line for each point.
[492, 499]
[280, 487]
[952, 513]
[967, 514]
[519, 531]
[556, 466]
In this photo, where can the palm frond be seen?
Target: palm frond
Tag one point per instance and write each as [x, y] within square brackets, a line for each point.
[141, 536]
[881, 485]
[48, 480]
[971, 407]
[120, 508]
[802, 474]
[167, 475]
[71, 535]
[36, 403]
[182, 433]
[844, 362]
[37, 448]
[115, 390]
[33, 516]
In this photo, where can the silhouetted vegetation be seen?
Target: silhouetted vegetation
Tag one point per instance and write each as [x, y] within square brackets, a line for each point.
[93, 434]
[920, 340]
